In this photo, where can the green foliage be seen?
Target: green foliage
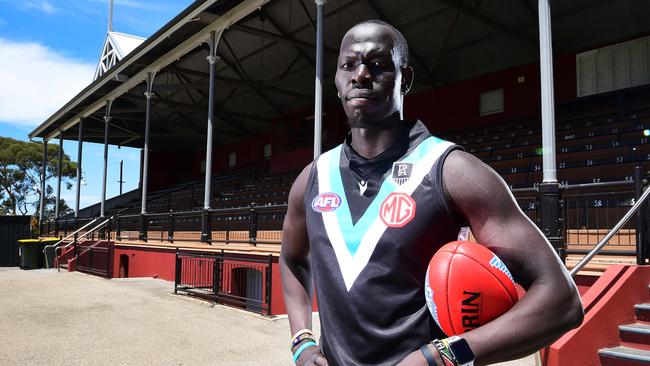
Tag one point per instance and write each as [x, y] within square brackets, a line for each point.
[21, 175]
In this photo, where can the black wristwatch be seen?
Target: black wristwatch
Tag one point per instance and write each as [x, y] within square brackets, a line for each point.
[461, 351]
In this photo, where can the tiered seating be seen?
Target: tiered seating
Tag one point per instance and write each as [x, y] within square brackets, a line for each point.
[589, 149]
[594, 143]
[239, 188]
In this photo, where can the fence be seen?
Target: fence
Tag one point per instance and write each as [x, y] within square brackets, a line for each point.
[588, 216]
[236, 281]
[588, 211]
[253, 225]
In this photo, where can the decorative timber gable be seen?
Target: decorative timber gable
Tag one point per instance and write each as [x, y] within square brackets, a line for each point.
[116, 47]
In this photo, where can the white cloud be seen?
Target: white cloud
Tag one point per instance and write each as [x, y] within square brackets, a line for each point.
[36, 81]
[43, 6]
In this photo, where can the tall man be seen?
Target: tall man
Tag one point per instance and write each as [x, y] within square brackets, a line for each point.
[369, 265]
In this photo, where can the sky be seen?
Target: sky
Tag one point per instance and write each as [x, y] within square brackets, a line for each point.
[49, 51]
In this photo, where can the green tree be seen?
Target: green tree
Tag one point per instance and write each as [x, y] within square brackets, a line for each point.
[20, 177]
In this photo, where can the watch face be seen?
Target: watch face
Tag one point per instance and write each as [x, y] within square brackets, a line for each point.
[461, 351]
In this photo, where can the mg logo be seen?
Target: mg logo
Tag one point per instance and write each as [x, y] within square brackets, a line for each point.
[326, 202]
[397, 209]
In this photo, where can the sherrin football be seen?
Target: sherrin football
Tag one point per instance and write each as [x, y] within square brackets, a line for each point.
[467, 286]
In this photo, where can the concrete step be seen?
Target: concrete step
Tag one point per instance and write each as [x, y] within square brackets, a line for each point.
[624, 356]
[635, 333]
[642, 312]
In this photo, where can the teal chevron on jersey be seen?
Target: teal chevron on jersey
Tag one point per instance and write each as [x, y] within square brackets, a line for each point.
[354, 243]
[353, 233]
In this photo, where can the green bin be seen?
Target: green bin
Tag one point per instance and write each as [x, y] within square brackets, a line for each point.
[30, 253]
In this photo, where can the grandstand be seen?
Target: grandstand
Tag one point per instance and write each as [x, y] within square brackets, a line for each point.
[223, 139]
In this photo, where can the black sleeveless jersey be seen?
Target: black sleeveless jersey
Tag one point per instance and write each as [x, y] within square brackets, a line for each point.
[373, 226]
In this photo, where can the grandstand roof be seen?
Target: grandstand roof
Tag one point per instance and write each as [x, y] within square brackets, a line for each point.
[267, 59]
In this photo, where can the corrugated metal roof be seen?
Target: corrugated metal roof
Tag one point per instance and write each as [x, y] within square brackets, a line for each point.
[124, 43]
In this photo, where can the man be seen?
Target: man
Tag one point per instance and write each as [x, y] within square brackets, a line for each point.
[368, 261]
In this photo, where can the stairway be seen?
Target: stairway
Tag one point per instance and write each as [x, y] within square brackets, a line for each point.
[67, 256]
[634, 348]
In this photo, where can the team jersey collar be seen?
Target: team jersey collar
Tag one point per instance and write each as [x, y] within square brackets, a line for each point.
[417, 133]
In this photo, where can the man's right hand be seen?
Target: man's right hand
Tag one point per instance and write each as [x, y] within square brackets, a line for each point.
[312, 357]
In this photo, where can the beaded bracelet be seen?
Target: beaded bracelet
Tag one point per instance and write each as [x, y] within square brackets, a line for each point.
[301, 331]
[302, 337]
[443, 350]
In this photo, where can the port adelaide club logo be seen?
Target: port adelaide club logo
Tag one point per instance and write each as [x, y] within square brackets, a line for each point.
[326, 202]
[401, 172]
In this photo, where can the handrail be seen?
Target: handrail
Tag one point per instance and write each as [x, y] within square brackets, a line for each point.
[99, 226]
[615, 183]
[64, 239]
[614, 230]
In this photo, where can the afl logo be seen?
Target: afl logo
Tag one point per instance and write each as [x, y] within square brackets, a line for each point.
[326, 202]
[397, 209]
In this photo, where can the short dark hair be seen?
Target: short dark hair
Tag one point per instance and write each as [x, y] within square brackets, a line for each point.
[401, 45]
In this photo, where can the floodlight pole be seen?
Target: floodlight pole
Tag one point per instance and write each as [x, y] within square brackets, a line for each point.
[42, 199]
[110, 15]
[206, 231]
[145, 160]
[79, 156]
[107, 123]
[318, 92]
[59, 166]
[549, 196]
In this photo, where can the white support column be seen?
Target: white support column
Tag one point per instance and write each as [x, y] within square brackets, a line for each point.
[549, 193]
[318, 92]
[107, 121]
[212, 60]
[42, 198]
[206, 230]
[79, 156]
[58, 176]
[548, 100]
[145, 164]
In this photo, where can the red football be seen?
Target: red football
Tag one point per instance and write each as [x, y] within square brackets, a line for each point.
[467, 286]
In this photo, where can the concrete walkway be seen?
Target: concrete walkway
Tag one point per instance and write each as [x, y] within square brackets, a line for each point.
[51, 318]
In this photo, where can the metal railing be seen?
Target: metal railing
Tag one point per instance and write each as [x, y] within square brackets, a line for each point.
[587, 212]
[55, 245]
[588, 215]
[614, 230]
[252, 225]
[238, 281]
[91, 232]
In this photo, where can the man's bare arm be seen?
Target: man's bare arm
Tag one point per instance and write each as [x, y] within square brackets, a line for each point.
[551, 305]
[295, 267]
